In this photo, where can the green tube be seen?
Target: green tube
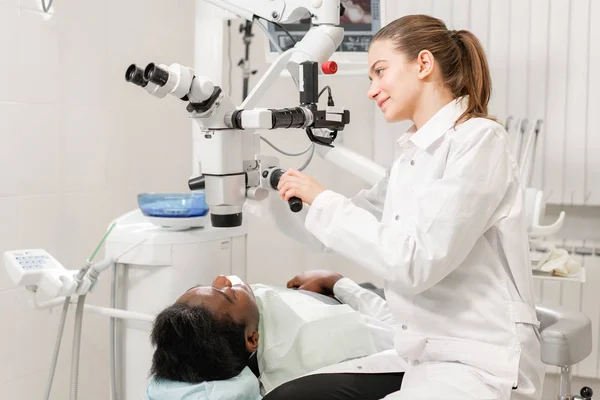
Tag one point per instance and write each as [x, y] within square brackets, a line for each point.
[102, 241]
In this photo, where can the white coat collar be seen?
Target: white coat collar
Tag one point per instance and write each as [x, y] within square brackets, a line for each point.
[439, 124]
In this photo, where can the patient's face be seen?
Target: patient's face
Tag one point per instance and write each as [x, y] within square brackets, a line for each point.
[223, 297]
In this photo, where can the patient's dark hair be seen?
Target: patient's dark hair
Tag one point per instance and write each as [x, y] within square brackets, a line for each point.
[193, 344]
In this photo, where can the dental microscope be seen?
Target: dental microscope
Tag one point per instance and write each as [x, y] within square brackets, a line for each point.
[232, 168]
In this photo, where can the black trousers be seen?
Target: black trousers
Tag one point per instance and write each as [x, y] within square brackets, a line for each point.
[348, 386]
[342, 386]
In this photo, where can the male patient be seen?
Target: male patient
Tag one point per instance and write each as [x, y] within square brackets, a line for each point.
[203, 342]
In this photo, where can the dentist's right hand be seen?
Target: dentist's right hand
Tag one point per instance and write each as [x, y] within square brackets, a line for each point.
[298, 184]
[318, 281]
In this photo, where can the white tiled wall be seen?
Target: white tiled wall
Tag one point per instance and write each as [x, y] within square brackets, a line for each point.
[77, 143]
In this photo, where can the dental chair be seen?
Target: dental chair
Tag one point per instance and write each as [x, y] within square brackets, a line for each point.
[566, 339]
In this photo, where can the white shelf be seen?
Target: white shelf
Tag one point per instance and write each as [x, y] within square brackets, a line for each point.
[546, 276]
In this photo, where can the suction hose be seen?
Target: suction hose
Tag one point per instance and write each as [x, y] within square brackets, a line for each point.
[61, 328]
[76, 347]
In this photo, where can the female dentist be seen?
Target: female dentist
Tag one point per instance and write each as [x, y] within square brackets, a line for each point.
[445, 228]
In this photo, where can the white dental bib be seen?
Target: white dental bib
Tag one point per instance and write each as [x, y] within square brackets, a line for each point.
[300, 334]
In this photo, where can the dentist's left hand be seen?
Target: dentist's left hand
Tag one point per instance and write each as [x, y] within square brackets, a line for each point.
[298, 184]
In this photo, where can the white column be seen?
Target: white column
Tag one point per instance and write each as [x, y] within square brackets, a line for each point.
[208, 59]
[209, 41]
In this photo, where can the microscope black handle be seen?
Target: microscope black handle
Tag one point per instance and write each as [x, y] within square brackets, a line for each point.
[197, 183]
[294, 202]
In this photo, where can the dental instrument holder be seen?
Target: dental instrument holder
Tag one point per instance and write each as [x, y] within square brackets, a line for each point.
[87, 276]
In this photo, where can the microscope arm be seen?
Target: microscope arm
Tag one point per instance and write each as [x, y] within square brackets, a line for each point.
[358, 165]
[318, 44]
[322, 12]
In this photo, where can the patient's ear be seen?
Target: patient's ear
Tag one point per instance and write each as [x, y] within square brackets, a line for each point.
[252, 341]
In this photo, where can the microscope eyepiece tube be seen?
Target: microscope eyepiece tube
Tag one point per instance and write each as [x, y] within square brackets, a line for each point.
[297, 117]
[156, 74]
[135, 75]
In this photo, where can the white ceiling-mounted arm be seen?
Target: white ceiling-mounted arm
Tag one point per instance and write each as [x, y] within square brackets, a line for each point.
[318, 44]
[358, 165]
[322, 12]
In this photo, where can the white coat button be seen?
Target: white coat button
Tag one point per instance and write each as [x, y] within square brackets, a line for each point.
[404, 327]
[414, 363]
[397, 217]
[412, 162]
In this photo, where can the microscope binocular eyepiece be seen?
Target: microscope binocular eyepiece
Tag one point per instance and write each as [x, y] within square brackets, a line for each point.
[156, 74]
[135, 75]
[152, 73]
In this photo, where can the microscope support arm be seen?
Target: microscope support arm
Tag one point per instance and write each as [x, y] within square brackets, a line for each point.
[323, 12]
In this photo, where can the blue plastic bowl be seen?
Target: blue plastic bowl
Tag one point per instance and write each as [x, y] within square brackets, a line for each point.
[173, 205]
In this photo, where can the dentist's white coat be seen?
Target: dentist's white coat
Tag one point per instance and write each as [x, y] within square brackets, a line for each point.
[445, 228]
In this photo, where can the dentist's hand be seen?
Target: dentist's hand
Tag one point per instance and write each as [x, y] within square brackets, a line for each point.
[297, 184]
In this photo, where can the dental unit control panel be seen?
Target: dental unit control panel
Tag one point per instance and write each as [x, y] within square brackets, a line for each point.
[36, 267]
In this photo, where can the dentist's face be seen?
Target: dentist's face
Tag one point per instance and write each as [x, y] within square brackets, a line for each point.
[224, 297]
[395, 85]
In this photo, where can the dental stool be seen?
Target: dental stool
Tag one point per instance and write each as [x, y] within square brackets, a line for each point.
[566, 340]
